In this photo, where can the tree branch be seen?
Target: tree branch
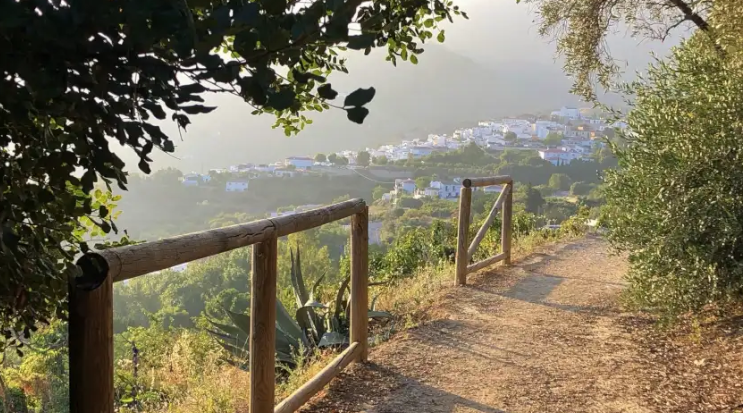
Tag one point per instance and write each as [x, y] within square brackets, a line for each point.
[690, 14]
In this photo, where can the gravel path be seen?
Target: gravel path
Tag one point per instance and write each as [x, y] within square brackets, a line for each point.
[545, 335]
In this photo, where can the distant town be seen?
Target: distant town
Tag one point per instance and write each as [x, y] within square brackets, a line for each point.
[562, 137]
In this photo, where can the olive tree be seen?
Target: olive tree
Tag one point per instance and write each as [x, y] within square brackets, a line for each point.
[676, 201]
[580, 29]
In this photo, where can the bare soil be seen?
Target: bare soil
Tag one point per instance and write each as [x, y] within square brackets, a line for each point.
[545, 335]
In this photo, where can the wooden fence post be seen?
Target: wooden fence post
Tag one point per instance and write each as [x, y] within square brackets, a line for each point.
[263, 326]
[360, 281]
[462, 258]
[507, 228]
[91, 346]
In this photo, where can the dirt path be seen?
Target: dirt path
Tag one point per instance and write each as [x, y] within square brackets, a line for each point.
[546, 335]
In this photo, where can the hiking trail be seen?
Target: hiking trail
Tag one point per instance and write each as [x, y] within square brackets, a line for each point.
[544, 335]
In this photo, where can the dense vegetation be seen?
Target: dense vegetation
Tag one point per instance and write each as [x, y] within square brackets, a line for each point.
[675, 204]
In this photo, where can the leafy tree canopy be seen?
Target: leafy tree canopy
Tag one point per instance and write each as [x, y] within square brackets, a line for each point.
[553, 139]
[363, 158]
[380, 160]
[77, 76]
[580, 29]
[320, 157]
[560, 182]
[510, 136]
[675, 202]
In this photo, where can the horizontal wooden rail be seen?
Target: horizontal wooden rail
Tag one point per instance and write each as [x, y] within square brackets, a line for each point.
[303, 394]
[492, 180]
[134, 260]
[505, 203]
[91, 302]
[486, 262]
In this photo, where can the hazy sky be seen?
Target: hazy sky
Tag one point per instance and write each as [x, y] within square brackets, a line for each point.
[492, 65]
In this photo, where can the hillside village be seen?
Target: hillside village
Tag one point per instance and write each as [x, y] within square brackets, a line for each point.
[563, 136]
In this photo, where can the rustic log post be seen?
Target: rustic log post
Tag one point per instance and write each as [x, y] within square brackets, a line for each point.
[91, 346]
[263, 326]
[507, 228]
[462, 258]
[360, 282]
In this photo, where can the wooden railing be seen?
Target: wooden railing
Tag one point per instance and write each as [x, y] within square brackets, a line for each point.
[465, 249]
[91, 303]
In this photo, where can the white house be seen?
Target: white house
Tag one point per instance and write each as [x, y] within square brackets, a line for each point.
[299, 162]
[264, 168]
[559, 156]
[542, 128]
[420, 151]
[446, 190]
[191, 180]
[404, 185]
[567, 112]
[236, 186]
[283, 172]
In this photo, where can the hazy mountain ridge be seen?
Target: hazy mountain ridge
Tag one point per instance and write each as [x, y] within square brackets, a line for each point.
[444, 91]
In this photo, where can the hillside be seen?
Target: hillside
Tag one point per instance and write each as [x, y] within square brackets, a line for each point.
[444, 91]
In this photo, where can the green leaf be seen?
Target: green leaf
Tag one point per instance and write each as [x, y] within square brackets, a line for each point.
[242, 321]
[441, 37]
[360, 97]
[379, 314]
[144, 166]
[281, 100]
[413, 59]
[332, 338]
[361, 41]
[286, 323]
[326, 92]
[357, 114]
[197, 109]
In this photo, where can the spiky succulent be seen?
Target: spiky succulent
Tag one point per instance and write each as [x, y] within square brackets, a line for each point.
[314, 325]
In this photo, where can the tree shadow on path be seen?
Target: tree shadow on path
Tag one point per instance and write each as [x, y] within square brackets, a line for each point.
[374, 388]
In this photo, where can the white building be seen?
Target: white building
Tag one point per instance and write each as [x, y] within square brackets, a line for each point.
[264, 168]
[559, 156]
[567, 112]
[542, 128]
[236, 186]
[191, 180]
[404, 185]
[446, 190]
[299, 162]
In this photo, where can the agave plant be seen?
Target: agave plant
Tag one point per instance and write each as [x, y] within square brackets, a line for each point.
[314, 325]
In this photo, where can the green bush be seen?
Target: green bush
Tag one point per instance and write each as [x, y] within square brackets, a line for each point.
[409, 202]
[580, 188]
[676, 203]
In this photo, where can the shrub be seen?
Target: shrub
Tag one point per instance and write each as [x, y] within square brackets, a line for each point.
[580, 188]
[675, 204]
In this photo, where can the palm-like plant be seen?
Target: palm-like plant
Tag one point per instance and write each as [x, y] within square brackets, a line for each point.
[314, 325]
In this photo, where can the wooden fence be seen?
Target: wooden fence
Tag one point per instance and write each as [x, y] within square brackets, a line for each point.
[465, 249]
[91, 303]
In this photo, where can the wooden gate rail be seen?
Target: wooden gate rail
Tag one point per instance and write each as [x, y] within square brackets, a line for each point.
[466, 250]
[91, 302]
